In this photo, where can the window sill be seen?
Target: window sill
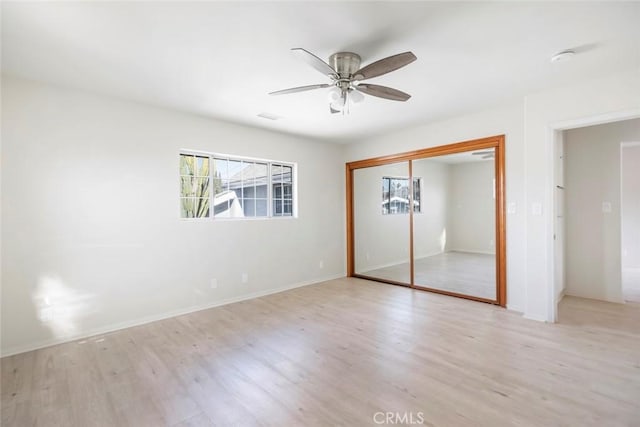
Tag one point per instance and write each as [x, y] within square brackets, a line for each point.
[276, 218]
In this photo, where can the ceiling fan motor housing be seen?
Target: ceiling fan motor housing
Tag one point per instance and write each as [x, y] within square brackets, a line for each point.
[345, 63]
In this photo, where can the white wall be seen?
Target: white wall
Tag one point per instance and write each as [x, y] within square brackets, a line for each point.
[631, 205]
[380, 240]
[506, 120]
[472, 207]
[592, 178]
[91, 238]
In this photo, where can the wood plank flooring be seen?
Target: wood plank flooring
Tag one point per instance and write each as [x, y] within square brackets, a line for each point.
[337, 353]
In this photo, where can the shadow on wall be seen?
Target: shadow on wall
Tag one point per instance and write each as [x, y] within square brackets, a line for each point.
[59, 307]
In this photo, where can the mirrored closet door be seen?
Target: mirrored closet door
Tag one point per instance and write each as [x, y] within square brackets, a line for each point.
[381, 222]
[432, 219]
[454, 234]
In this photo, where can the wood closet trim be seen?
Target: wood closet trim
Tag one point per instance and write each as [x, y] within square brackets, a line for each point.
[496, 142]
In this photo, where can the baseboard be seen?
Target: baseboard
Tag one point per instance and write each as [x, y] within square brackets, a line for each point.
[472, 251]
[421, 256]
[167, 315]
[515, 308]
[536, 317]
[597, 298]
[379, 266]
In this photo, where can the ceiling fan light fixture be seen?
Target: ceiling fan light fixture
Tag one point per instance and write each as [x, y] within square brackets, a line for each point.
[341, 98]
[341, 104]
[337, 107]
[355, 96]
[334, 94]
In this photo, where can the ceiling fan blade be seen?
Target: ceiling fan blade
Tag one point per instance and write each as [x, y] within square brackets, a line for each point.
[488, 156]
[383, 92]
[314, 61]
[478, 153]
[299, 89]
[385, 66]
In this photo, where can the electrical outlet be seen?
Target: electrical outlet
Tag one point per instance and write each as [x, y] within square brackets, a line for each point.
[245, 277]
[321, 264]
[214, 283]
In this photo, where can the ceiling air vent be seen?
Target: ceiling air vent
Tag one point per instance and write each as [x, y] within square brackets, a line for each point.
[269, 116]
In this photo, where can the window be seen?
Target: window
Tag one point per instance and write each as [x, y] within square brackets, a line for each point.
[395, 195]
[195, 193]
[282, 184]
[226, 187]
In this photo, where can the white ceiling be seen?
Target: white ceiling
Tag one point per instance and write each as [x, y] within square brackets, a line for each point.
[220, 59]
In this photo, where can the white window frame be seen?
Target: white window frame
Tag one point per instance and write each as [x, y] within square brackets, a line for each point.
[228, 157]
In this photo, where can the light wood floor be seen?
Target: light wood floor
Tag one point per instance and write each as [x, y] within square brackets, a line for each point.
[335, 354]
[460, 272]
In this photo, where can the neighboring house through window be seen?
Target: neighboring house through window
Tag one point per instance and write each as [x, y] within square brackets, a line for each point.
[235, 187]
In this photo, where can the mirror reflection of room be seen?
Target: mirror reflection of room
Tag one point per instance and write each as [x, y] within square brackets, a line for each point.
[381, 222]
[454, 232]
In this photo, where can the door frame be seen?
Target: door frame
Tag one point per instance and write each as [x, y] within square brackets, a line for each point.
[623, 145]
[553, 130]
[496, 142]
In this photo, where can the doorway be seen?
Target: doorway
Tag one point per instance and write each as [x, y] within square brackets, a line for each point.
[630, 220]
[591, 208]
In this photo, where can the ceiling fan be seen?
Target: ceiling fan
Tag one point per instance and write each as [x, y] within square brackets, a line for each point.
[488, 154]
[346, 76]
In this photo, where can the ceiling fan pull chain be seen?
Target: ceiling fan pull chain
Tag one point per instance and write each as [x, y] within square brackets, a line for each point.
[345, 103]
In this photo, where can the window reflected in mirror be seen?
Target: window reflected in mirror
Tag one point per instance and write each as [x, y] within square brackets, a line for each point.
[395, 195]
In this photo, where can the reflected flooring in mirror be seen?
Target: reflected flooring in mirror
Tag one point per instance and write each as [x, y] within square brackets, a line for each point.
[460, 272]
